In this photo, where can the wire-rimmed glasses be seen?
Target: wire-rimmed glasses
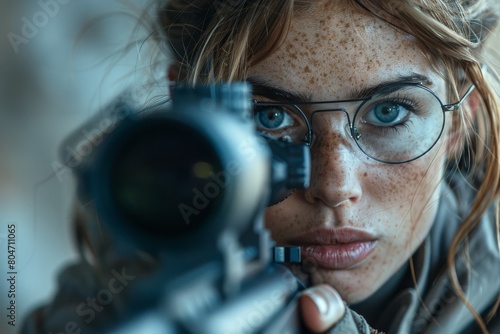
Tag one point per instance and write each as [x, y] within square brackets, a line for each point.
[398, 123]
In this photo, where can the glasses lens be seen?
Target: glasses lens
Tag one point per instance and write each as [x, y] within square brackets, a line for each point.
[399, 125]
[281, 121]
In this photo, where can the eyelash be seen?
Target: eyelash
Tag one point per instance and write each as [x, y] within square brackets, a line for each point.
[412, 106]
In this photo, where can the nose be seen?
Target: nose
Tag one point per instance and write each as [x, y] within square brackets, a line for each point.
[335, 167]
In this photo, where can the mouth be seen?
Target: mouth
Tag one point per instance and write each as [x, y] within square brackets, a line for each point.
[338, 248]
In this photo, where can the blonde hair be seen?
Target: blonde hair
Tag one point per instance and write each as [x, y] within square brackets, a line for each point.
[229, 36]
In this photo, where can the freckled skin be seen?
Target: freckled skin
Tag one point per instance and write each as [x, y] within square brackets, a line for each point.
[328, 53]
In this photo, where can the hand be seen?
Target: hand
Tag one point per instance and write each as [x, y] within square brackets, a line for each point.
[321, 308]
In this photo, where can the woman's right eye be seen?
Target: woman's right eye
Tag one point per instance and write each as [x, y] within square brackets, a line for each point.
[269, 118]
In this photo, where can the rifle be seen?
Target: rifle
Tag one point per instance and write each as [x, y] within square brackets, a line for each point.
[189, 183]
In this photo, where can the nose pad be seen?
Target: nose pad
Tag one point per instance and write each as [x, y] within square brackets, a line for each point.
[353, 133]
[347, 129]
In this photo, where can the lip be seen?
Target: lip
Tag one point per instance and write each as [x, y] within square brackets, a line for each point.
[338, 248]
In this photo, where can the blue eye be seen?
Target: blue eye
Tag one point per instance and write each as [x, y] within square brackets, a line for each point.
[387, 112]
[272, 118]
[281, 121]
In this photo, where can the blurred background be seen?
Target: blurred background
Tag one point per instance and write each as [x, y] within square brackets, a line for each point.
[60, 62]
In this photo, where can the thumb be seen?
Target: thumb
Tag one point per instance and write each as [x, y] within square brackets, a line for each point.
[321, 308]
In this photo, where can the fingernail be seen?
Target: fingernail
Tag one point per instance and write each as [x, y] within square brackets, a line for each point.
[317, 294]
[327, 301]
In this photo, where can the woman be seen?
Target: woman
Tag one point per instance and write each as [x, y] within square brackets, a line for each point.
[404, 187]
[400, 220]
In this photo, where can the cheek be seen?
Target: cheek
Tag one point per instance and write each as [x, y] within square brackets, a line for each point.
[411, 207]
[286, 216]
[413, 187]
[411, 192]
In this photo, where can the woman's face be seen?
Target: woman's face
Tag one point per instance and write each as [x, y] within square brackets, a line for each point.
[360, 219]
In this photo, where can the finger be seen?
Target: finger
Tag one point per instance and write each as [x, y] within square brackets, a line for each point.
[321, 308]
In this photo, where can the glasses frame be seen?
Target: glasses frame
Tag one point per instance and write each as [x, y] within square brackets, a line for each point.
[353, 131]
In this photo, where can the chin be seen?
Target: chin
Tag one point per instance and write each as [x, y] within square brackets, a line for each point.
[352, 285]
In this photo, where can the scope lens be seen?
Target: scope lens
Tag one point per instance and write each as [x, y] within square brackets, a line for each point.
[163, 178]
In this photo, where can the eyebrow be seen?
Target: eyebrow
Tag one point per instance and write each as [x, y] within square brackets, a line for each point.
[267, 90]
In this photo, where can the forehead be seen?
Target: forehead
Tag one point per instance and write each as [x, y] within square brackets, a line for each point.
[339, 46]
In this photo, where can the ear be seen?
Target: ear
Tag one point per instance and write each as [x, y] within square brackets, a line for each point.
[462, 124]
[173, 72]
[173, 75]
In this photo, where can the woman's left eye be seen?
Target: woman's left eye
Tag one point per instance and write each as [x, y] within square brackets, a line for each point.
[387, 114]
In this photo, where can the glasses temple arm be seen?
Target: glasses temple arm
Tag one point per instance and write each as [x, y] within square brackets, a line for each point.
[456, 106]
